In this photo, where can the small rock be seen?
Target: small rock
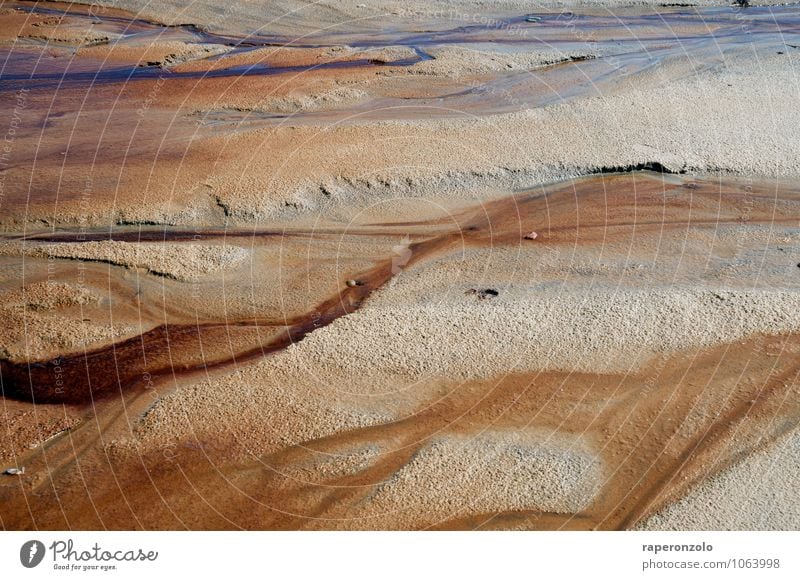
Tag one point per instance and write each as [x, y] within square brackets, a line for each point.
[15, 471]
[484, 293]
[531, 236]
[354, 283]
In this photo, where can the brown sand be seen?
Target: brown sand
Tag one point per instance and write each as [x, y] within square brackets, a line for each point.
[288, 287]
[641, 416]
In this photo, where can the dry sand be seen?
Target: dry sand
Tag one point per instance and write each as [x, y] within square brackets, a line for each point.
[592, 361]
[162, 54]
[454, 61]
[282, 411]
[180, 261]
[51, 29]
[359, 135]
[606, 331]
[493, 471]
[314, 101]
[758, 493]
[636, 353]
[423, 329]
[696, 125]
[40, 320]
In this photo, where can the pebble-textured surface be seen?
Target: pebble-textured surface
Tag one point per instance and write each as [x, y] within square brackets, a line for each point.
[38, 321]
[178, 261]
[295, 15]
[602, 331]
[494, 471]
[456, 61]
[363, 183]
[161, 54]
[758, 493]
[258, 410]
[696, 123]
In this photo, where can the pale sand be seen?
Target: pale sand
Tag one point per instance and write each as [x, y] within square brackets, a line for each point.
[314, 101]
[290, 56]
[457, 61]
[37, 321]
[382, 362]
[30, 335]
[570, 309]
[179, 261]
[49, 296]
[493, 471]
[164, 54]
[346, 461]
[25, 427]
[724, 109]
[52, 29]
[257, 410]
[704, 123]
[603, 331]
[758, 493]
[387, 360]
[271, 280]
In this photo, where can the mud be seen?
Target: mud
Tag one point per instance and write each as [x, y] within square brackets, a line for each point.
[392, 319]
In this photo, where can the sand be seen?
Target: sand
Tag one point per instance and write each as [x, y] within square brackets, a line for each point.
[592, 360]
[51, 29]
[49, 296]
[25, 429]
[309, 102]
[469, 128]
[161, 54]
[308, 301]
[31, 335]
[487, 472]
[456, 62]
[181, 262]
[604, 332]
[423, 328]
[285, 410]
[757, 493]
[40, 321]
[695, 125]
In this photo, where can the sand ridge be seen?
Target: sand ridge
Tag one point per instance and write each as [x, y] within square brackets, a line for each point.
[605, 331]
[178, 261]
[487, 472]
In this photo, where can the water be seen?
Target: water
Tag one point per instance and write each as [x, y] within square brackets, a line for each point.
[626, 45]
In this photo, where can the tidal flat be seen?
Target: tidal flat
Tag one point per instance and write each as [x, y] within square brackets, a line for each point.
[394, 265]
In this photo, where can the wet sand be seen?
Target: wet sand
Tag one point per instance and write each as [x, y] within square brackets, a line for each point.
[192, 140]
[318, 404]
[258, 286]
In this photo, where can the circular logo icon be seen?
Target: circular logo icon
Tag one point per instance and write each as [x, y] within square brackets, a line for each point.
[31, 553]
